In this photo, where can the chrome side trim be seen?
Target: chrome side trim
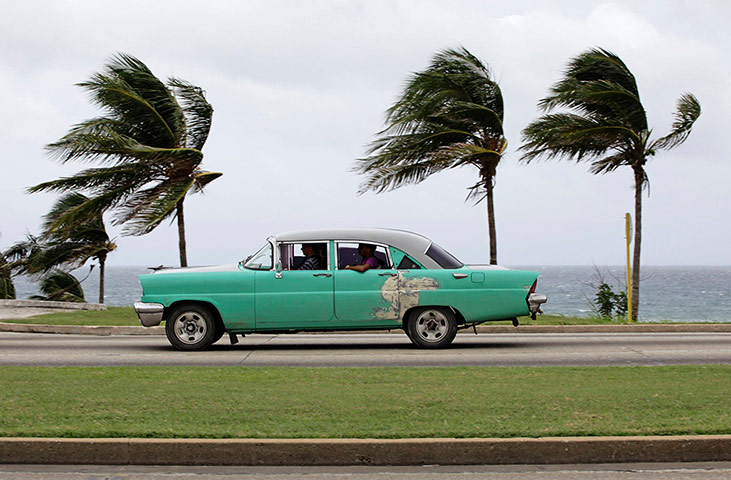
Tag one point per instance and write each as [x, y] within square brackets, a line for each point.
[150, 314]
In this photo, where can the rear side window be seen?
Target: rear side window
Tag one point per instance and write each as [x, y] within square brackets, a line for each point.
[442, 257]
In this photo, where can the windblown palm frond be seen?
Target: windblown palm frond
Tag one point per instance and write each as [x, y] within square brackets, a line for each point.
[24, 257]
[197, 112]
[60, 286]
[689, 109]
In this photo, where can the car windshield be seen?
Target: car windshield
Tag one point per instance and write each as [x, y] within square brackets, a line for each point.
[443, 257]
[261, 260]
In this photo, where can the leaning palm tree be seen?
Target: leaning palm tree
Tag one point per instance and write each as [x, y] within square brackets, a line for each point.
[63, 245]
[7, 289]
[59, 286]
[449, 115]
[148, 143]
[46, 262]
[71, 244]
[605, 124]
[34, 258]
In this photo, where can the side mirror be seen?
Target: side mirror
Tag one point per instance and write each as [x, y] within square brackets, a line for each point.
[278, 269]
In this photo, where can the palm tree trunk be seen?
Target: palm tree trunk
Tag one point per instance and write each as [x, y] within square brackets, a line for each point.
[639, 181]
[102, 260]
[491, 221]
[181, 234]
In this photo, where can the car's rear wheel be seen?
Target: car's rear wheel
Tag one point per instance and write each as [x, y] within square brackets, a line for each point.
[432, 327]
[219, 333]
[190, 327]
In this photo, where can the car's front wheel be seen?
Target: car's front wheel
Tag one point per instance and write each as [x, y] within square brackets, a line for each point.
[190, 327]
[432, 327]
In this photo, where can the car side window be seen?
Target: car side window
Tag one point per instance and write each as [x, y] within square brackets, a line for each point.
[304, 256]
[261, 260]
[407, 263]
[347, 254]
[403, 261]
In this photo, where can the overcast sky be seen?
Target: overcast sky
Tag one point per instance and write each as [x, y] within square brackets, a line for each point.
[299, 90]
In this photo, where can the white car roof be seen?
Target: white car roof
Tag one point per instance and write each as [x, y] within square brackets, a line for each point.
[411, 243]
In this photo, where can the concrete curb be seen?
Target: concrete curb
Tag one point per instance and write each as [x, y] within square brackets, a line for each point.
[634, 328]
[80, 329]
[321, 452]
[45, 304]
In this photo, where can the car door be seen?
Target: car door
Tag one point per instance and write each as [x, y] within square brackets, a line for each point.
[287, 298]
[365, 299]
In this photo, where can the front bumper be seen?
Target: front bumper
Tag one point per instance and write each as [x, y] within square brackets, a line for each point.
[150, 314]
[535, 300]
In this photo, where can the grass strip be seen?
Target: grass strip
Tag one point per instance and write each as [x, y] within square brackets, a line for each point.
[112, 316]
[229, 402]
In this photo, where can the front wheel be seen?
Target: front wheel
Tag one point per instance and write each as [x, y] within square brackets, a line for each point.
[432, 327]
[190, 327]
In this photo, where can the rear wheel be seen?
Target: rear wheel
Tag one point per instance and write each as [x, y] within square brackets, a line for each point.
[219, 333]
[432, 327]
[190, 327]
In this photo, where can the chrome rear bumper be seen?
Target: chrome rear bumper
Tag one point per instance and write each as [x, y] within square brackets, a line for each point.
[535, 300]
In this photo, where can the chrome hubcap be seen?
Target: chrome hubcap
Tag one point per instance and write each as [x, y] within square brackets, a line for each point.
[190, 328]
[431, 325]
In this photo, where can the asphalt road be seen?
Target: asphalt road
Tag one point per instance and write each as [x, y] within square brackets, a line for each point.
[330, 350]
[660, 471]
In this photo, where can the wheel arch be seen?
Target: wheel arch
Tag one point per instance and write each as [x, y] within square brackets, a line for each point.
[408, 313]
[211, 308]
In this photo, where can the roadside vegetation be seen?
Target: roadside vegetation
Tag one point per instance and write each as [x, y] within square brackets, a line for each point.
[227, 402]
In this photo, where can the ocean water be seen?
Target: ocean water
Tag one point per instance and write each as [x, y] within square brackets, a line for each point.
[673, 293]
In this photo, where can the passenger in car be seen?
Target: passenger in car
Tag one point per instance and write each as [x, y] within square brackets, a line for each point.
[366, 251]
[312, 260]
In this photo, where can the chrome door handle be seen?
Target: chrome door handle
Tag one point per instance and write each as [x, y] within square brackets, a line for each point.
[459, 275]
[388, 274]
[322, 274]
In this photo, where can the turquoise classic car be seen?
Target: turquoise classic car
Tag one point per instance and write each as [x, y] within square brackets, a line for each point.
[340, 279]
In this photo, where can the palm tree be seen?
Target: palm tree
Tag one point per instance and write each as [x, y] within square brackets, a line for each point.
[63, 245]
[60, 286]
[7, 289]
[148, 142]
[34, 258]
[604, 124]
[449, 115]
[73, 244]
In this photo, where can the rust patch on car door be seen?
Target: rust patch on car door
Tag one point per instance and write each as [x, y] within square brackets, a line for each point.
[402, 293]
